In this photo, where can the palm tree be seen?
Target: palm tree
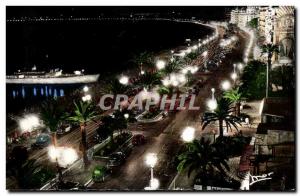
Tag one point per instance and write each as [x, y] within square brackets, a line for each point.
[221, 114]
[269, 49]
[144, 58]
[189, 57]
[115, 87]
[235, 96]
[202, 157]
[53, 114]
[149, 80]
[83, 113]
[108, 125]
[172, 67]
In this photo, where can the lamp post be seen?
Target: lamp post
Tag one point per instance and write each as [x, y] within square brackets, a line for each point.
[63, 157]
[234, 74]
[205, 60]
[213, 93]
[151, 160]
[85, 89]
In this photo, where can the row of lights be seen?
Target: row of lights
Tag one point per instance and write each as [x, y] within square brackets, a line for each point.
[188, 133]
[227, 42]
[248, 50]
[225, 85]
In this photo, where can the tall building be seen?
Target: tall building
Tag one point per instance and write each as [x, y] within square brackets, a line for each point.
[284, 34]
[241, 17]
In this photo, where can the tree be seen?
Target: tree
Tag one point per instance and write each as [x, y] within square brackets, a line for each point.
[253, 23]
[202, 157]
[221, 114]
[83, 113]
[32, 175]
[235, 96]
[53, 114]
[115, 87]
[144, 59]
[149, 80]
[283, 76]
[269, 49]
[253, 80]
[172, 67]
[189, 57]
[108, 125]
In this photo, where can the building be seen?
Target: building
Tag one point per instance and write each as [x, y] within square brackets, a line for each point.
[284, 34]
[277, 26]
[241, 17]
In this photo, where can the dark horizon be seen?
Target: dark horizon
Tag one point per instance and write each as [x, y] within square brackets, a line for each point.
[200, 12]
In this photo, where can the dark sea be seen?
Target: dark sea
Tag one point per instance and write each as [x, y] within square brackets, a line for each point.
[105, 47]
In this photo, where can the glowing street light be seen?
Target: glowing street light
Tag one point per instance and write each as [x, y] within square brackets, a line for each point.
[151, 160]
[240, 66]
[212, 104]
[226, 85]
[29, 122]
[87, 97]
[234, 76]
[126, 116]
[160, 64]
[213, 93]
[64, 156]
[85, 89]
[124, 80]
[205, 60]
[188, 134]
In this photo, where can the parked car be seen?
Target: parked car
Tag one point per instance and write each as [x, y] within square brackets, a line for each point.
[64, 129]
[138, 139]
[99, 173]
[116, 159]
[42, 140]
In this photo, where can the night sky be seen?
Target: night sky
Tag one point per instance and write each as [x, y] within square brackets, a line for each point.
[202, 12]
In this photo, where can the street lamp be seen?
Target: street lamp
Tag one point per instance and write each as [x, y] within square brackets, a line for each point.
[87, 97]
[234, 74]
[126, 116]
[213, 93]
[160, 64]
[188, 134]
[212, 104]
[63, 157]
[29, 122]
[151, 160]
[124, 80]
[226, 85]
[240, 66]
[85, 89]
[205, 53]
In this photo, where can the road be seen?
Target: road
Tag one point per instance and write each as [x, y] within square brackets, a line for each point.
[164, 138]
